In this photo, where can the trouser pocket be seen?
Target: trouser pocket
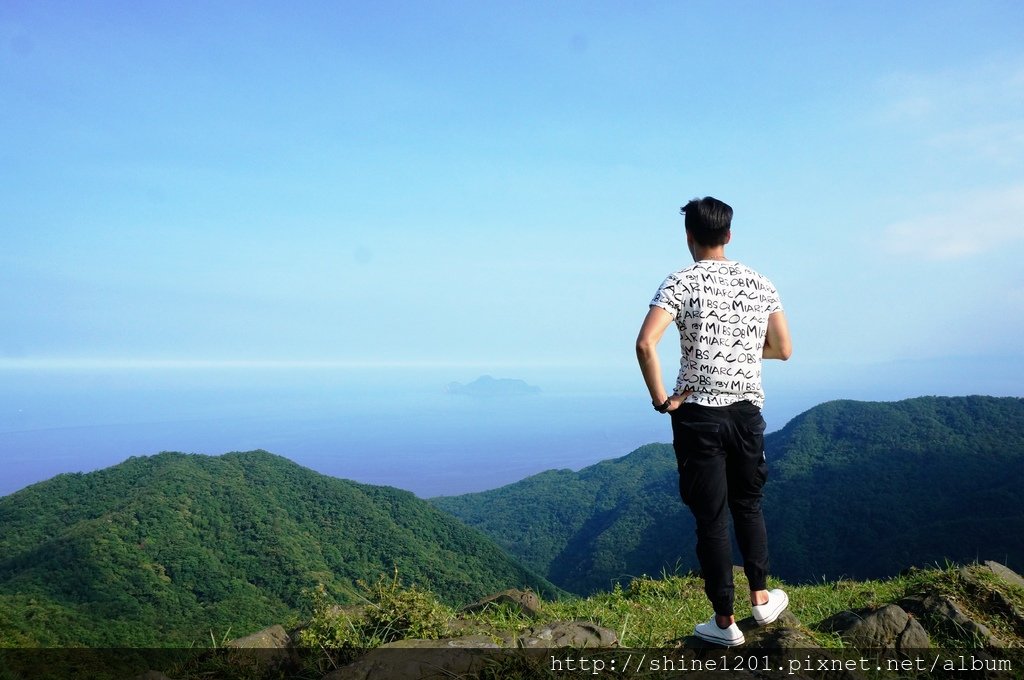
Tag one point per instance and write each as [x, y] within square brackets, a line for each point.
[698, 448]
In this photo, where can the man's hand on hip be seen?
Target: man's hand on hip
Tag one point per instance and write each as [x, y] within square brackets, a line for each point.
[676, 400]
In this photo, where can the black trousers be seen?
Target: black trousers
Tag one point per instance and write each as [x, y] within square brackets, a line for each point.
[720, 454]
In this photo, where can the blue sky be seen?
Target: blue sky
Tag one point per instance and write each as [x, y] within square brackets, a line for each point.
[496, 186]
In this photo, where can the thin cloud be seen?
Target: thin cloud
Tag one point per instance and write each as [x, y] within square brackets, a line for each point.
[980, 222]
[1002, 141]
[977, 111]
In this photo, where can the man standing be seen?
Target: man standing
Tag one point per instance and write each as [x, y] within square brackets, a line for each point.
[729, 318]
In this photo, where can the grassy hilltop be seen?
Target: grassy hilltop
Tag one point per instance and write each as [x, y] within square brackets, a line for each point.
[979, 618]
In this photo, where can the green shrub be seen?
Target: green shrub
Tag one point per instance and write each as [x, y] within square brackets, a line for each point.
[391, 612]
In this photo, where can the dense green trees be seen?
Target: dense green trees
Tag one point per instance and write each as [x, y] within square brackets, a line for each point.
[587, 530]
[856, 489]
[864, 489]
[165, 549]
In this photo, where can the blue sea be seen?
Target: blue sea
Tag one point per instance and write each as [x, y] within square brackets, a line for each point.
[399, 428]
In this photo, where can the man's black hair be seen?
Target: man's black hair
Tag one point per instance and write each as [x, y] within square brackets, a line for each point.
[708, 220]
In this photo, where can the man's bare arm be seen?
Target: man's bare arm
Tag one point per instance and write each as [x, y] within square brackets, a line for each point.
[777, 344]
[655, 323]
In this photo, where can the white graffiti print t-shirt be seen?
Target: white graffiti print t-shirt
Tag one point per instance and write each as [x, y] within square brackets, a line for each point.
[721, 309]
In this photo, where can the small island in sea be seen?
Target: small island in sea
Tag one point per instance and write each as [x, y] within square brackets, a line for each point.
[488, 386]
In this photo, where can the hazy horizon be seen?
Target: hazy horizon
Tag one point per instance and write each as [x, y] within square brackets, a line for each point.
[396, 427]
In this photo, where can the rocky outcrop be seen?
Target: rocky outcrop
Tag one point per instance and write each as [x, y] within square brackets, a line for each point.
[525, 602]
[962, 618]
[1003, 573]
[894, 632]
[782, 644]
[994, 598]
[273, 637]
[577, 634]
[888, 629]
[454, 657]
[943, 614]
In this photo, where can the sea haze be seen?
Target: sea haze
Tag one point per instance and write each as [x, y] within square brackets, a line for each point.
[409, 428]
[400, 428]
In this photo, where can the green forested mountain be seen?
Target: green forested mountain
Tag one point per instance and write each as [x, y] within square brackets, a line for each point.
[586, 530]
[856, 489]
[162, 550]
[864, 489]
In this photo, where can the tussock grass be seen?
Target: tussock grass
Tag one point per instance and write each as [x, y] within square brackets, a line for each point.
[646, 613]
[654, 612]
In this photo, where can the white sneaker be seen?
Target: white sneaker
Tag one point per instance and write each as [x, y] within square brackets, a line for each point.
[710, 632]
[770, 610]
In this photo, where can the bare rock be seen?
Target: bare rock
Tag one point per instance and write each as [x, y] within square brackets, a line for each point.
[578, 634]
[525, 601]
[273, 637]
[784, 633]
[944, 613]
[993, 598]
[887, 628]
[456, 657]
[1007, 575]
[269, 647]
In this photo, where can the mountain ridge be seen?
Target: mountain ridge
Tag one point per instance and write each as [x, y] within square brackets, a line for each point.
[890, 468]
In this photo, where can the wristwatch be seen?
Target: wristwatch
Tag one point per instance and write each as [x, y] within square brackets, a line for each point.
[662, 408]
